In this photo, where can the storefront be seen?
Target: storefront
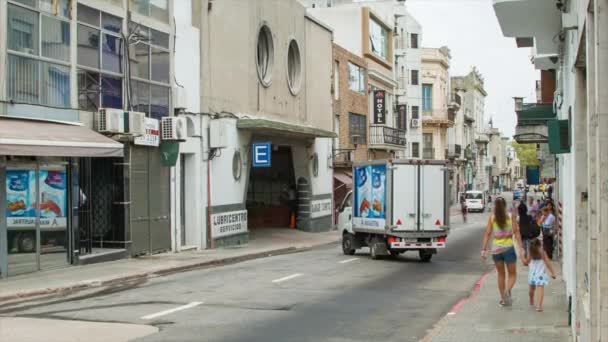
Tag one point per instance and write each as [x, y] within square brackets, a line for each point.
[40, 166]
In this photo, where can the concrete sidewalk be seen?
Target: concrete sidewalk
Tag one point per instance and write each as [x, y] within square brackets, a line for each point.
[263, 243]
[479, 317]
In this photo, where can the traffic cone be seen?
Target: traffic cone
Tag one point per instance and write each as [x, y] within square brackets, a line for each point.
[292, 221]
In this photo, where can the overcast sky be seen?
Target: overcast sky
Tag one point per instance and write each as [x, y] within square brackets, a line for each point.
[471, 31]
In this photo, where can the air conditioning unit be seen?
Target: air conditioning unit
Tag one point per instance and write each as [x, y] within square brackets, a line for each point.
[174, 128]
[137, 123]
[111, 120]
[117, 121]
[415, 123]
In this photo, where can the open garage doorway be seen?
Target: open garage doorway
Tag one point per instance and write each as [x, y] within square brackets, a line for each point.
[271, 192]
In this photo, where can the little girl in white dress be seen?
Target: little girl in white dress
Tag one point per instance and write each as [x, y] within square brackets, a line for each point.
[538, 278]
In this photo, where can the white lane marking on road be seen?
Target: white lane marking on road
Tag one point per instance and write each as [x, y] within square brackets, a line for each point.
[348, 260]
[287, 278]
[166, 312]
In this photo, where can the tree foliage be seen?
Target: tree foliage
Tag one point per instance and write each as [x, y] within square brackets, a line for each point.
[526, 153]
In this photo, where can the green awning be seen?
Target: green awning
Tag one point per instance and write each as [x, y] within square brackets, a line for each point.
[535, 114]
[270, 127]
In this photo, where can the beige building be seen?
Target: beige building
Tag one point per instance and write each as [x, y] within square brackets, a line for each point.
[435, 89]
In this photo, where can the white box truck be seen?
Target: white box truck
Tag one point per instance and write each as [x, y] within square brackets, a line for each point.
[396, 206]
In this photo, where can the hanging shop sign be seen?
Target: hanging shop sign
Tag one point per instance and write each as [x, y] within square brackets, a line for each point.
[320, 208]
[261, 154]
[229, 223]
[379, 107]
[22, 203]
[152, 135]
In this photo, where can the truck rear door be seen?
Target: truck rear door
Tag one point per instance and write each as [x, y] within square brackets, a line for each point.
[405, 193]
[433, 196]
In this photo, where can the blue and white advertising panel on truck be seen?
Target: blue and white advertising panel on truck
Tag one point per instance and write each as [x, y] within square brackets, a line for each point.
[370, 196]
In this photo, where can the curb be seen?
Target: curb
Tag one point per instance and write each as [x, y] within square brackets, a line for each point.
[83, 285]
[437, 327]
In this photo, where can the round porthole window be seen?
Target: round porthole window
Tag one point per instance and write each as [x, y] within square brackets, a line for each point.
[236, 165]
[265, 55]
[315, 165]
[294, 67]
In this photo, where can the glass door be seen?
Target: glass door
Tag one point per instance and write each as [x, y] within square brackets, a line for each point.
[36, 216]
[21, 214]
[53, 215]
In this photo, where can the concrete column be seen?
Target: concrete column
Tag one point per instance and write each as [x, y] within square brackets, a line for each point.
[3, 61]
[601, 125]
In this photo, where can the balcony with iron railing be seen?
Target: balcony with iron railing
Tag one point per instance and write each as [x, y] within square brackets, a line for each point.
[428, 153]
[385, 137]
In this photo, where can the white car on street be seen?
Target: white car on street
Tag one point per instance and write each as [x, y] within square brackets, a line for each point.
[475, 200]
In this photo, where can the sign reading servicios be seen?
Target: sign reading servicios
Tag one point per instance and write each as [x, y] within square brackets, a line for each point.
[230, 223]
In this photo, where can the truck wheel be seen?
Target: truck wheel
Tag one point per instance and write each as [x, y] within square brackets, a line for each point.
[425, 255]
[27, 243]
[348, 241]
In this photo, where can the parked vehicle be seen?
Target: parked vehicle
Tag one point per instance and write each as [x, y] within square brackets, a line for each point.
[399, 206]
[475, 200]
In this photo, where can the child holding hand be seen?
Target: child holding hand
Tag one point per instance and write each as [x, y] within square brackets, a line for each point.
[538, 278]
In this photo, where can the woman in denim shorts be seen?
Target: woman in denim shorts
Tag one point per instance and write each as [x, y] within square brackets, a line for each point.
[503, 230]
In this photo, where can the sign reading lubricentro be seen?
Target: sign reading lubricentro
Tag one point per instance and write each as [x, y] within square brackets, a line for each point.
[320, 208]
[230, 223]
[152, 136]
[379, 107]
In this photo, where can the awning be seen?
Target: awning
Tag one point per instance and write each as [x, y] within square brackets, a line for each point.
[272, 127]
[27, 137]
[344, 179]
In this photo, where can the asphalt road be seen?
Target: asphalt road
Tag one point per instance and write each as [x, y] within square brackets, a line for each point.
[318, 295]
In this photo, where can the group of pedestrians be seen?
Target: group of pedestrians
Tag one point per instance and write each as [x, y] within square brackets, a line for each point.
[530, 229]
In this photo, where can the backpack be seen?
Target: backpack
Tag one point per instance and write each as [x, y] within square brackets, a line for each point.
[530, 230]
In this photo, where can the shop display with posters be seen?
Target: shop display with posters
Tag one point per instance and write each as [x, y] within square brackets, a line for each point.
[370, 196]
[21, 198]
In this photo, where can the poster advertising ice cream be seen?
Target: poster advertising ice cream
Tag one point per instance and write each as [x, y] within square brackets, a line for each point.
[370, 196]
[22, 201]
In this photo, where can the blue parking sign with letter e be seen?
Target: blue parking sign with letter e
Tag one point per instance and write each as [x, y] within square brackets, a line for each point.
[261, 154]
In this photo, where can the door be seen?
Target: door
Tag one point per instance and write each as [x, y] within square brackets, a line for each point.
[150, 202]
[405, 197]
[433, 192]
[37, 231]
[345, 214]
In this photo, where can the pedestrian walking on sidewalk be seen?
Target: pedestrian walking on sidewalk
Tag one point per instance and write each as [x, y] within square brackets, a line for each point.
[548, 225]
[538, 263]
[503, 230]
[463, 208]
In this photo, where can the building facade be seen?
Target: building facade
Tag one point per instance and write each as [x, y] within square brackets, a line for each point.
[569, 47]
[436, 118]
[260, 148]
[65, 67]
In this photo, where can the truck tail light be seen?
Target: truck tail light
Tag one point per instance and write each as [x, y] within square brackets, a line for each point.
[391, 239]
[441, 239]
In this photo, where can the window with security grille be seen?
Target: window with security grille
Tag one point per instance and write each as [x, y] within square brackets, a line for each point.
[357, 128]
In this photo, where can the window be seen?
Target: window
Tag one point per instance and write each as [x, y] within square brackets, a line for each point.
[100, 60]
[378, 39]
[265, 56]
[157, 9]
[357, 128]
[415, 150]
[415, 112]
[38, 61]
[414, 40]
[414, 77]
[294, 67]
[336, 80]
[427, 97]
[356, 78]
[149, 67]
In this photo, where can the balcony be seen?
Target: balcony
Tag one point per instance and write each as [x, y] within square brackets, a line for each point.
[530, 19]
[384, 137]
[428, 153]
[532, 123]
[437, 117]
